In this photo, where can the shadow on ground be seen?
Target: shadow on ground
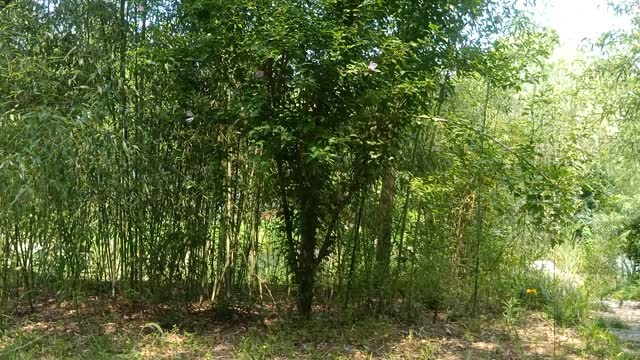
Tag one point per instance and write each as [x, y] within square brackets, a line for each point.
[97, 329]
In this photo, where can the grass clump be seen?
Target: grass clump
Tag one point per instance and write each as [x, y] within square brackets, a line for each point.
[610, 323]
[600, 342]
[629, 291]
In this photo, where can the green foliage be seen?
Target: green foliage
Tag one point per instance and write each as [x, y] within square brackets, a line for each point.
[630, 290]
[407, 158]
[428, 352]
[511, 311]
[610, 323]
[101, 156]
[632, 245]
[253, 347]
[568, 306]
[601, 342]
[397, 157]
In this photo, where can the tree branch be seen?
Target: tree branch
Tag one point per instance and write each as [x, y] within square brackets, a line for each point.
[342, 200]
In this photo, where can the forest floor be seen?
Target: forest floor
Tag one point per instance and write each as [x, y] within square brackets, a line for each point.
[100, 329]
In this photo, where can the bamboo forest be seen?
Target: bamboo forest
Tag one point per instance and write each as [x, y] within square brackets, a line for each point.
[319, 179]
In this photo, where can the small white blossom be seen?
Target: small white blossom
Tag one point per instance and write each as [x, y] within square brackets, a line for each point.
[372, 66]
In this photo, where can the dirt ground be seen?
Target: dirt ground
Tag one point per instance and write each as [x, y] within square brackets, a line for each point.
[628, 313]
[107, 329]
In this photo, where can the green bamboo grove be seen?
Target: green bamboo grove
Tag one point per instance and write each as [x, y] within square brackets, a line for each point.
[357, 154]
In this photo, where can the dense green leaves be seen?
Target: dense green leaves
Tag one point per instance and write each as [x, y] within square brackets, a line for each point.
[386, 150]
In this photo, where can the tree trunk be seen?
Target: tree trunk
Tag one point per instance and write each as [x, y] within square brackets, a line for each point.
[354, 249]
[305, 292]
[254, 241]
[385, 229]
[307, 264]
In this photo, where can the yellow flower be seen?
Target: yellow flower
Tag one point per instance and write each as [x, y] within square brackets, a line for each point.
[532, 291]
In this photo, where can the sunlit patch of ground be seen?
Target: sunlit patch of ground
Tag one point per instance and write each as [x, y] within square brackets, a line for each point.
[540, 338]
[120, 329]
[624, 321]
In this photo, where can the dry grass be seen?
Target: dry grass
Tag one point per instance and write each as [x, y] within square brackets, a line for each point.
[97, 329]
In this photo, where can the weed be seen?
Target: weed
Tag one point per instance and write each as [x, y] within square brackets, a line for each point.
[428, 352]
[628, 291]
[568, 306]
[601, 342]
[610, 323]
[511, 312]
